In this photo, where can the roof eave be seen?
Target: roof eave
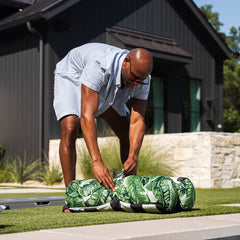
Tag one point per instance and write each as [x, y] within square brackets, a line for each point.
[9, 25]
[45, 14]
[16, 3]
[48, 14]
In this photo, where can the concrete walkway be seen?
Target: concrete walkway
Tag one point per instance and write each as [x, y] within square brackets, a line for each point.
[28, 190]
[194, 228]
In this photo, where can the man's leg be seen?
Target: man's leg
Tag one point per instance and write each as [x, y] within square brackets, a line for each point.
[67, 148]
[120, 126]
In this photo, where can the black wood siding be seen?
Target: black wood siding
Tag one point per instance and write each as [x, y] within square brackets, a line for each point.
[19, 93]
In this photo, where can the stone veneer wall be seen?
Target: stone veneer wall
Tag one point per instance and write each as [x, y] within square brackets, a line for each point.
[209, 159]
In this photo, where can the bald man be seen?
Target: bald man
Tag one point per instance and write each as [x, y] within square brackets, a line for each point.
[95, 81]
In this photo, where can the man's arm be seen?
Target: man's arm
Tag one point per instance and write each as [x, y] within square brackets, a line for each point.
[136, 133]
[89, 108]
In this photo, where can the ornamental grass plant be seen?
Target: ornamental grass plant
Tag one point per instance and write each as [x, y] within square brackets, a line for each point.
[51, 175]
[151, 160]
[20, 170]
[110, 154]
[4, 173]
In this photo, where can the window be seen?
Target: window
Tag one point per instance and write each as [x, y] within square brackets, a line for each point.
[191, 105]
[155, 110]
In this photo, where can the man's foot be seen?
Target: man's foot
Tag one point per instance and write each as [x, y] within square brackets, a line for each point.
[66, 209]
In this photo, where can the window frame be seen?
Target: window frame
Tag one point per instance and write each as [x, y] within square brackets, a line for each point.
[187, 113]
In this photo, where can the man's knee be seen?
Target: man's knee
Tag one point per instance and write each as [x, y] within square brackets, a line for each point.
[70, 128]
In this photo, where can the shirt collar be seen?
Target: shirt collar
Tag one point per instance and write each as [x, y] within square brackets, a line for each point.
[119, 68]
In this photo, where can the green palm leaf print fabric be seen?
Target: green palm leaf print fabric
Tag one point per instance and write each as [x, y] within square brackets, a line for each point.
[186, 192]
[132, 194]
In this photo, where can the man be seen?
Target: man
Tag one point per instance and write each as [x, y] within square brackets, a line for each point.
[95, 81]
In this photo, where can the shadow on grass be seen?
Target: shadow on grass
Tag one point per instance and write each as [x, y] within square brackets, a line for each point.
[193, 209]
[5, 226]
[178, 210]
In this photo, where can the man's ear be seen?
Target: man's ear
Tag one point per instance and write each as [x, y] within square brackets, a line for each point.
[127, 58]
[126, 61]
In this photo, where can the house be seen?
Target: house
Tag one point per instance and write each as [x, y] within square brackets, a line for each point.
[187, 80]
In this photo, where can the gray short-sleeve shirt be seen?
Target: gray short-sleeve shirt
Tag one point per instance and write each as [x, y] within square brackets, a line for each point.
[97, 66]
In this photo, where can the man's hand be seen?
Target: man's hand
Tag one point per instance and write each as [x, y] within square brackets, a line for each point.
[102, 174]
[130, 167]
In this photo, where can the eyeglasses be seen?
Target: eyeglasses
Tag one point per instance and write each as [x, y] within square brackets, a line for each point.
[134, 80]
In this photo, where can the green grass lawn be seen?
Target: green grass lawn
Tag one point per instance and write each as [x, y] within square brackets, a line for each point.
[208, 202]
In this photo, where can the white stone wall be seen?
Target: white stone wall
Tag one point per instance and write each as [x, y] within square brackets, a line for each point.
[209, 159]
[189, 153]
[225, 164]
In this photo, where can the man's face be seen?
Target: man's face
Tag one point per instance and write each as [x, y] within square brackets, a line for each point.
[131, 74]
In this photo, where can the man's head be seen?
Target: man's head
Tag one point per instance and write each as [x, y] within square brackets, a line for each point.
[136, 67]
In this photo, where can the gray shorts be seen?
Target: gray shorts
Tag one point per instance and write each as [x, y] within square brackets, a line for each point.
[67, 95]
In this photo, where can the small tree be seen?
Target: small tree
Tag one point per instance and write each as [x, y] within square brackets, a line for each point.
[231, 73]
